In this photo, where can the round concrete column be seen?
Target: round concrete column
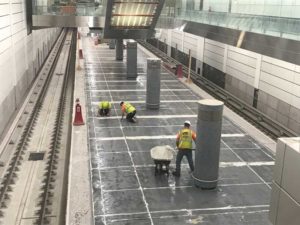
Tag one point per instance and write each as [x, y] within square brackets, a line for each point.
[131, 60]
[153, 83]
[208, 141]
[112, 44]
[119, 49]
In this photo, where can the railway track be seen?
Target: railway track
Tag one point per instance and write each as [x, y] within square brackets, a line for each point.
[34, 175]
[251, 114]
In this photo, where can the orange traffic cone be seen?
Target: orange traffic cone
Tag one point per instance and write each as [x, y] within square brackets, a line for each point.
[78, 120]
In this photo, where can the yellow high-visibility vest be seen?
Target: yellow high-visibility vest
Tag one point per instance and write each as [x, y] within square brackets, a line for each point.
[185, 139]
[105, 105]
[128, 107]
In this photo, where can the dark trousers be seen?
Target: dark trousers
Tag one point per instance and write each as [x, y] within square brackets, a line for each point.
[189, 155]
[130, 116]
[103, 112]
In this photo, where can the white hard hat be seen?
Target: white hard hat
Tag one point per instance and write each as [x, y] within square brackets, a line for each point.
[187, 122]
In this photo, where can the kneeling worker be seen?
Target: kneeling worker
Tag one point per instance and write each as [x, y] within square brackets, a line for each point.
[184, 143]
[104, 108]
[129, 110]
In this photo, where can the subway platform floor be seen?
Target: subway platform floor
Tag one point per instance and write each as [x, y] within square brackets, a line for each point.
[124, 188]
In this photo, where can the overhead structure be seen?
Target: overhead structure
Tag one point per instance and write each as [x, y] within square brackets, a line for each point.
[131, 18]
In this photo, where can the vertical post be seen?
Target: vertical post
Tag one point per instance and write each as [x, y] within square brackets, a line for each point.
[112, 44]
[131, 60]
[176, 52]
[153, 83]
[119, 49]
[189, 70]
[208, 140]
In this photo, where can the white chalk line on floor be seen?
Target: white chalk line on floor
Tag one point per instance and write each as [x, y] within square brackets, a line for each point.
[153, 137]
[181, 187]
[222, 165]
[150, 116]
[129, 81]
[143, 101]
[127, 90]
[229, 207]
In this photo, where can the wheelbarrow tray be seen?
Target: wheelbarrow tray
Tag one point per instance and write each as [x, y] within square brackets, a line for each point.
[162, 156]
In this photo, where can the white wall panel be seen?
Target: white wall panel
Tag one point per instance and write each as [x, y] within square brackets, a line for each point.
[5, 44]
[215, 43]
[4, 21]
[278, 71]
[244, 68]
[4, 33]
[278, 62]
[4, 10]
[19, 36]
[297, 78]
[275, 77]
[17, 17]
[214, 48]
[213, 56]
[16, 8]
[277, 82]
[200, 48]
[17, 50]
[213, 63]
[250, 61]
[17, 27]
[240, 75]
[278, 93]
[6, 76]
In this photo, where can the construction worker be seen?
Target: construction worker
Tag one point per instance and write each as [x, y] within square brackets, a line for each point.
[128, 110]
[184, 143]
[104, 108]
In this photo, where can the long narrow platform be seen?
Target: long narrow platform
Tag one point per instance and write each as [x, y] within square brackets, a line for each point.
[123, 186]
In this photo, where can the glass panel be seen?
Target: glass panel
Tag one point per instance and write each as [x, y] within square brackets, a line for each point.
[279, 18]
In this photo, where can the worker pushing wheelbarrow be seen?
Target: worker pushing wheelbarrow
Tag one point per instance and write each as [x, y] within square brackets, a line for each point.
[162, 156]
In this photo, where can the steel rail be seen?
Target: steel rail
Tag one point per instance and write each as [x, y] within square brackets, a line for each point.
[55, 145]
[9, 177]
[269, 126]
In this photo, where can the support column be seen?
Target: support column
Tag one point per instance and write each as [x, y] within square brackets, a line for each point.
[112, 44]
[153, 83]
[208, 143]
[131, 60]
[119, 49]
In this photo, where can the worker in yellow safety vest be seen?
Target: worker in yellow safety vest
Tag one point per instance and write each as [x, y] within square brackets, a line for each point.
[184, 143]
[104, 108]
[128, 110]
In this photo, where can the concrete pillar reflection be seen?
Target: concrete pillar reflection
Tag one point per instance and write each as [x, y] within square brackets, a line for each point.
[119, 49]
[131, 60]
[153, 83]
[208, 141]
[112, 44]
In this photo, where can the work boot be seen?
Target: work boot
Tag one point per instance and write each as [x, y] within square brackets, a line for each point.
[176, 174]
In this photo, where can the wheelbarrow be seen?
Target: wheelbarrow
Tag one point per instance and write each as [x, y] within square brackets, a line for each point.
[162, 156]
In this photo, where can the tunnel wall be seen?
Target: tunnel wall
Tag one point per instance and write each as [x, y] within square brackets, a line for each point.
[21, 56]
[268, 84]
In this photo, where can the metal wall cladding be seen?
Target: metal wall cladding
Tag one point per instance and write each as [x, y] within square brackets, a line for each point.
[290, 174]
[288, 210]
[285, 198]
